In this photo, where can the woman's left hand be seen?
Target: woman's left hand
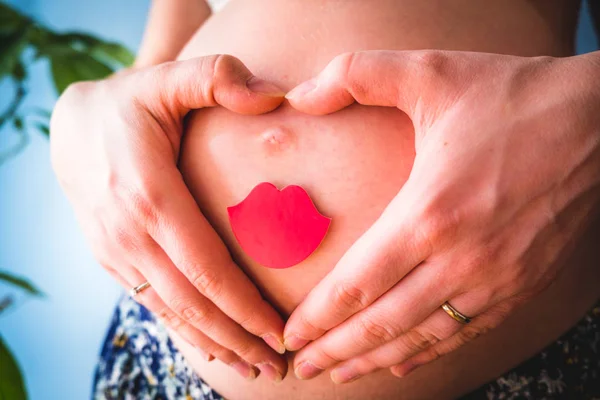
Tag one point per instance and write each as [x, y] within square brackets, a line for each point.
[505, 179]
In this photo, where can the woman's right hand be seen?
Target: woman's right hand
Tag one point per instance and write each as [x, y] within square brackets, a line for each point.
[115, 146]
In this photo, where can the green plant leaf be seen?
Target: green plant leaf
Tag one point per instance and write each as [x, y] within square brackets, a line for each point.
[18, 123]
[114, 52]
[19, 72]
[79, 38]
[45, 42]
[5, 303]
[52, 45]
[79, 42]
[11, 379]
[21, 283]
[43, 128]
[11, 48]
[41, 113]
[77, 67]
[11, 21]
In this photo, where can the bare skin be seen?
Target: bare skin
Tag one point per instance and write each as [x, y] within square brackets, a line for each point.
[358, 160]
[224, 156]
[138, 229]
[453, 225]
[119, 215]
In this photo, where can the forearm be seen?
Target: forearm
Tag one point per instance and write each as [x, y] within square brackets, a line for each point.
[171, 23]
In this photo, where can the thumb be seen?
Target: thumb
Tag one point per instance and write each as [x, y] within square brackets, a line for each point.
[182, 86]
[401, 79]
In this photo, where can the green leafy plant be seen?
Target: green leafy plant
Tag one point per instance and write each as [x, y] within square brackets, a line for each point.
[71, 56]
[11, 378]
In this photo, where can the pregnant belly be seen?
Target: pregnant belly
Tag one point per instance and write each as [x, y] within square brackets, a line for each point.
[351, 163]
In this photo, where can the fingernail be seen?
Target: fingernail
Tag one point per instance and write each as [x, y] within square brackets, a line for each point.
[261, 86]
[404, 369]
[344, 374]
[274, 343]
[244, 369]
[270, 372]
[294, 342]
[207, 356]
[306, 370]
[302, 89]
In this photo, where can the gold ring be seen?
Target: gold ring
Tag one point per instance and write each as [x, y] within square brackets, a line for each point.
[455, 314]
[136, 290]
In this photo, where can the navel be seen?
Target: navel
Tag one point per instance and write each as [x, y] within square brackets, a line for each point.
[277, 138]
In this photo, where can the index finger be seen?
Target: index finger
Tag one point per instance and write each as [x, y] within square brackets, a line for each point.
[198, 252]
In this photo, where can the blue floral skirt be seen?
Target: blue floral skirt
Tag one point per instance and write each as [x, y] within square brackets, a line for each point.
[139, 362]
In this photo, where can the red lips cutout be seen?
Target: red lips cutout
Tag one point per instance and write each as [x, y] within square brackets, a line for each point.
[278, 229]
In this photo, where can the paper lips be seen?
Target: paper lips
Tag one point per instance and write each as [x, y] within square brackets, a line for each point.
[278, 229]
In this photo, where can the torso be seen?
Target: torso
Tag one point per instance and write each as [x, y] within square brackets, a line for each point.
[353, 162]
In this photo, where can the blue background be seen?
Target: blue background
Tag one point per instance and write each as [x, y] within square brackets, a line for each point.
[57, 339]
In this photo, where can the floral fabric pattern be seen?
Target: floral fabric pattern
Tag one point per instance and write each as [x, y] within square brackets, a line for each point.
[138, 361]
